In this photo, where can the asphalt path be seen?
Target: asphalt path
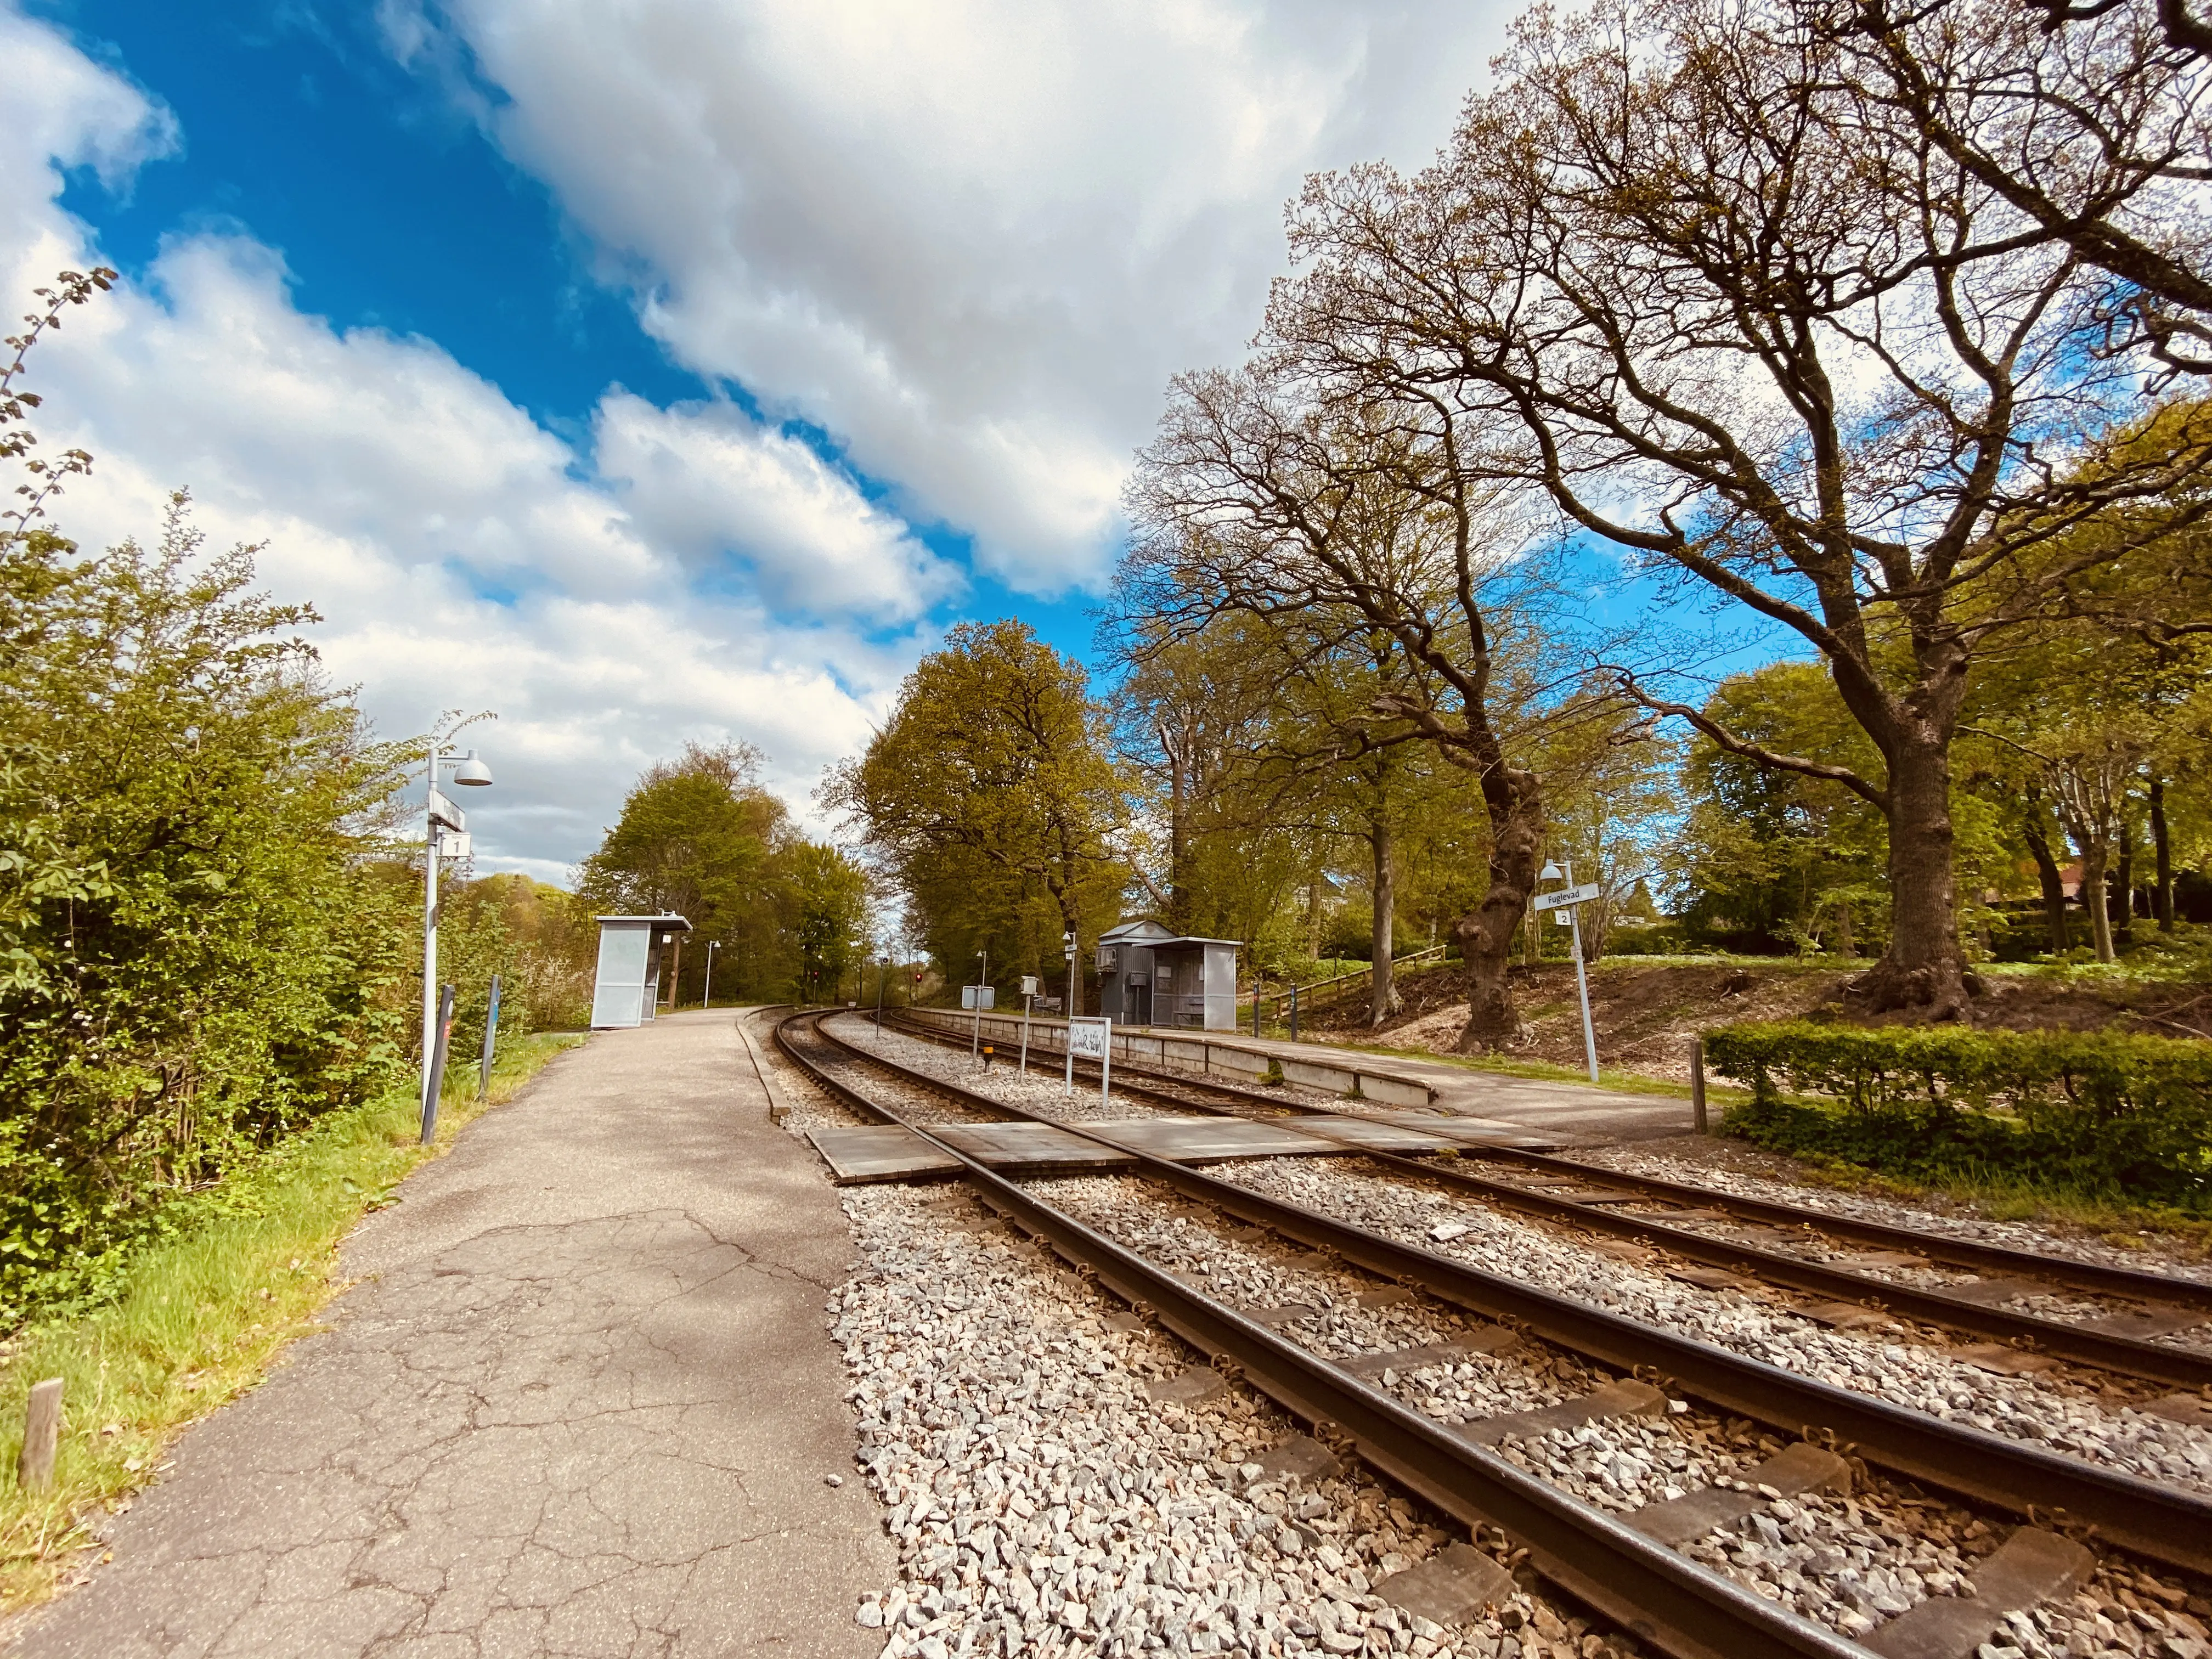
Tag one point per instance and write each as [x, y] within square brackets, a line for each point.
[582, 1401]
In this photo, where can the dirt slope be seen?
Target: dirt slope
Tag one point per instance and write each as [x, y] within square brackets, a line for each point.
[1646, 1012]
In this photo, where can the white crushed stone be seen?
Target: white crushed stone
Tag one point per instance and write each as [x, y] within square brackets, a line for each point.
[2048, 1409]
[1043, 1503]
[981, 1393]
[1893, 1213]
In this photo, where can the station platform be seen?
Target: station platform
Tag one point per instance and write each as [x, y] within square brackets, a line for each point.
[579, 1400]
[1406, 1090]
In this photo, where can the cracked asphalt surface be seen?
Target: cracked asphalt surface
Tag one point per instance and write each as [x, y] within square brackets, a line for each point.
[582, 1403]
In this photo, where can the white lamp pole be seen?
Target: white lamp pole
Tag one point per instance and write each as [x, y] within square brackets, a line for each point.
[708, 999]
[470, 771]
[1566, 872]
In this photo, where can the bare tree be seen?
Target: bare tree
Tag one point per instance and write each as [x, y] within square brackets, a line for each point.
[1254, 498]
[1760, 334]
[2089, 122]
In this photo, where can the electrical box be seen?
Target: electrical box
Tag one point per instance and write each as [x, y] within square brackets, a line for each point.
[1029, 985]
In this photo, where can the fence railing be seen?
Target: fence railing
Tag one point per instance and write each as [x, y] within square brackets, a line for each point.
[1306, 994]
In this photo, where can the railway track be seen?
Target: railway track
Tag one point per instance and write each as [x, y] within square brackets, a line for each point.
[1579, 1195]
[1663, 1597]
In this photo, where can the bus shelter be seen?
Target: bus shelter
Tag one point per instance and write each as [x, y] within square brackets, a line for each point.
[626, 988]
[1149, 975]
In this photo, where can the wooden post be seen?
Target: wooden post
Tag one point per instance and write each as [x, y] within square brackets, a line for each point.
[42, 1428]
[1697, 1084]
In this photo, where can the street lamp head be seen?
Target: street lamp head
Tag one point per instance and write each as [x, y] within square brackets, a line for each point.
[1549, 873]
[472, 771]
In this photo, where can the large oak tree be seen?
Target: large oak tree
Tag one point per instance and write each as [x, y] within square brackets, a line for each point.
[1703, 289]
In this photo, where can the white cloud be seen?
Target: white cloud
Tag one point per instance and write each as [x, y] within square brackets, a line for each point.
[973, 238]
[705, 481]
[462, 554]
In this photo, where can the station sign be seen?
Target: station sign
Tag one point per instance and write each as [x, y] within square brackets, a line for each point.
[979, 997]
[442, 810]
[1582, 894]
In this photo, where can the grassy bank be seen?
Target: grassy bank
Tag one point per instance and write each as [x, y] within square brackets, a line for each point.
[202, 1316]
[2021, 1198]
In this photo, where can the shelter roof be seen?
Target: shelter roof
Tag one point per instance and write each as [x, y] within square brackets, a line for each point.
[1150, 931]
[667, 919]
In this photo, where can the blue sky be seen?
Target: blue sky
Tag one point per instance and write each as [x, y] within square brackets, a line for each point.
[652, 370]
[393, 210]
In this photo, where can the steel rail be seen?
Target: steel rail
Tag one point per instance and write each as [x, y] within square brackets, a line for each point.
[1662, 1598]
[2127, 1356]
[2129, 1283]
[2122, 1510]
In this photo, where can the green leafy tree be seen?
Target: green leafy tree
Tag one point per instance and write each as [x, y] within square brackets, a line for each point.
[1779, 858]
[995, 756]
[700, 836]
[830, 895]
[1686, 275]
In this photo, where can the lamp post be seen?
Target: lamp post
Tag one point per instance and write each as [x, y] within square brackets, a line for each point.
[982, 975]
[883, 971]
[707, 999]
[444, 835]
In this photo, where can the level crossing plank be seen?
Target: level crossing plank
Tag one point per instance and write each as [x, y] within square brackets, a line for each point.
[1460, 1127]
[1208, 1139]
[1374, 1137]
[891, 1153]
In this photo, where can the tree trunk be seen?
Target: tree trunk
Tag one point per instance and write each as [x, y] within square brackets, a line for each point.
[2053, 884]
[2096, 900]
[2161, 842]
[1178, 916]
[1923, 966]
[2123, 895]
[1845, 944]
[1515, 801]
[1383, 988]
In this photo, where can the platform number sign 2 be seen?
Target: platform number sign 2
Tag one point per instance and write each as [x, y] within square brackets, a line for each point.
[1091, 1037]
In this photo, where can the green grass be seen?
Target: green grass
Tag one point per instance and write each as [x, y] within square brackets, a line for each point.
[2016, 1198]
[201, 1317]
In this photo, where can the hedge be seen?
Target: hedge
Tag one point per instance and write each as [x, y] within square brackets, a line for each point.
[2126, 1117]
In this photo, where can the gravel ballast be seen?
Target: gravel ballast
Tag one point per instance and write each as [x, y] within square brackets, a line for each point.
[1932, 1216]
[2050, 1409]
[1042, 1503]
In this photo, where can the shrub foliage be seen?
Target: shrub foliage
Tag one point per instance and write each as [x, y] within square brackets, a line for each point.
[2090, 1112]
[202, 952]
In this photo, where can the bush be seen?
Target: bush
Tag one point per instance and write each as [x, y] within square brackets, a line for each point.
[201, 956]
[2094, 1113]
